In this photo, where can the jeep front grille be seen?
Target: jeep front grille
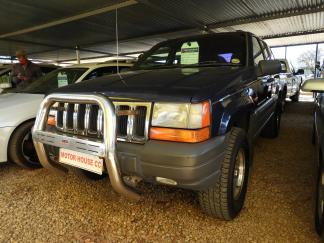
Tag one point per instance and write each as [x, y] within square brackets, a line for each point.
[87, 120]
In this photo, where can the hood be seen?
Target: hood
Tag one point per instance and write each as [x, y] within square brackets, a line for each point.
[168, 84]
[18, 107]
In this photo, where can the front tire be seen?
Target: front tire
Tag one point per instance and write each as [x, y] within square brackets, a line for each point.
[226, 198]
[21, 149]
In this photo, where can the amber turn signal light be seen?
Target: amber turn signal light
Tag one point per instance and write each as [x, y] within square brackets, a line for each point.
[180, 135]
[51, 121]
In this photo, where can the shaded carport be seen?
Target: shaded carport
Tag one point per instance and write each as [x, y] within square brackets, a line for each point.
[57, 208]
[51, 30]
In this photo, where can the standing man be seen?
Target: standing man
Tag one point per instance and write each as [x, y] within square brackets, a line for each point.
[25, 71]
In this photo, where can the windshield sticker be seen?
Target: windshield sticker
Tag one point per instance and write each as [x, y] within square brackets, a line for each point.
[190, 53]
[236, 61]
[62, 79]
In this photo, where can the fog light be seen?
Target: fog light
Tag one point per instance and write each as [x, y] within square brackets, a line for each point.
[166, 181]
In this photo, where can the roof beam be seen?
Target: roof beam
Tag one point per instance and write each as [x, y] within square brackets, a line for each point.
[275, 15]
[299, 44]
[56, 47]
[292, 34]
[70, 19]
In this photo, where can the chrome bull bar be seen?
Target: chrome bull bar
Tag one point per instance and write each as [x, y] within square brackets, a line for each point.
[106, 149]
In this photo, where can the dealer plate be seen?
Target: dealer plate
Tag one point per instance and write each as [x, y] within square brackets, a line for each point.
[83, 161]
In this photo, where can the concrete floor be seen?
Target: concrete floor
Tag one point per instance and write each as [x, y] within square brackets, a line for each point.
[37, 206]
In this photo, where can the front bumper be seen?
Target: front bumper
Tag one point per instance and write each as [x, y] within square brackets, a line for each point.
[5, 134]
[192, 166]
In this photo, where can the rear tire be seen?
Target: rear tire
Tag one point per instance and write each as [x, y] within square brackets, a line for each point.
[272, 128]
[21, 149]
[226, 198]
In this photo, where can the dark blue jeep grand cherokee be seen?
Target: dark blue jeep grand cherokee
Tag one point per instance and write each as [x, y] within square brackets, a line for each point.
[185, 116]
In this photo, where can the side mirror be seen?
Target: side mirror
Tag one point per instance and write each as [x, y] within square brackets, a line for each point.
[300, 72]
[314, 85]
[269, 67]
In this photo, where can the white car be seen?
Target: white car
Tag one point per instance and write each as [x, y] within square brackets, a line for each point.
[18, 110]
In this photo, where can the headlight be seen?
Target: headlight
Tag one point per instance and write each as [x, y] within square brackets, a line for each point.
[187, 116]
[185, 122]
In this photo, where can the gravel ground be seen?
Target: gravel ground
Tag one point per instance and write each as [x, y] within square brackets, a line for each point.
[37, 206]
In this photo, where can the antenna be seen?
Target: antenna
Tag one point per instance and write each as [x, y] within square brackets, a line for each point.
[117, 41]
[117, 48]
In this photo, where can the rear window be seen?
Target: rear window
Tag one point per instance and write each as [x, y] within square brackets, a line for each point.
[55, 79]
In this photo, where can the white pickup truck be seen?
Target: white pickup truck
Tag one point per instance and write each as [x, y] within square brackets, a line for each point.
[293, 80]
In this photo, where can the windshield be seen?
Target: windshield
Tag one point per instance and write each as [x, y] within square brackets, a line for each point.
[220, 49]
[53, 80]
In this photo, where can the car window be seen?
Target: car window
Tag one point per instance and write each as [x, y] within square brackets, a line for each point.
[257, 51]
[266, 51]
[123, 69]
[102, 71]
[46, 70]
[158, 58]
[220, 49]
[53, 80]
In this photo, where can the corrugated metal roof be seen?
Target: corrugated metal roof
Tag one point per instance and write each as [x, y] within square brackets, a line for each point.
[300, 23]
[147, 22]
[296, 40]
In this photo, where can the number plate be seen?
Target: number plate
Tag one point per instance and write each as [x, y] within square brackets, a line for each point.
[83, 161]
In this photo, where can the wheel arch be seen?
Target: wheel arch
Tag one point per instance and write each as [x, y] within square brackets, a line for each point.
[240, 119]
